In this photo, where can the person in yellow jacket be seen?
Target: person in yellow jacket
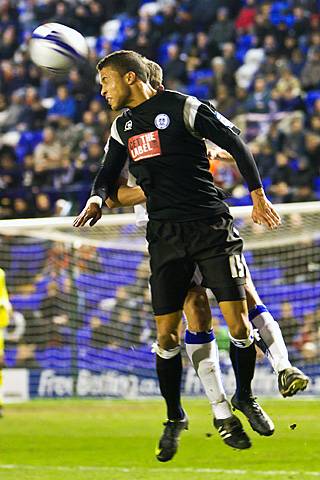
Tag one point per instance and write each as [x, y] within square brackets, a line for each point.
[5, 311]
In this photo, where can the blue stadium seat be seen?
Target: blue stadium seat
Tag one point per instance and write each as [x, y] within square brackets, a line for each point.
[56, 358]
[27, 143]
[10, 354]
[27, 302]
[310, 98]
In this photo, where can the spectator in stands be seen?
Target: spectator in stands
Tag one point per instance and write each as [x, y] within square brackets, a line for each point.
[27, 180]
[293, 141]
[303, 193]
[10, 175]
[315, 122]
[301, 21]
[43, 205]
[246, 17]
[223, 29]
[100, 335]
[145, 40]
[175, 68]
[307, 338]
[287, 81]
[203, 49]
[313, 152]
[220, 77]
[303, 173]
[10, 118]
[22, 208]
[288, 324]
[8, 42]
[296, 62]
[229, 56]
[35, 113]
[259, 101]
[225, 101]
[64, 106]
[47, 157]
[282, 171]
[6, 210]
[310, 75]
[280, 193]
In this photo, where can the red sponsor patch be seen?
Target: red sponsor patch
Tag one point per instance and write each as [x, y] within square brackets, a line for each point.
[145, 145]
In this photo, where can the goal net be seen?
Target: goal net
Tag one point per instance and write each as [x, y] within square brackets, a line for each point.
[83, 324]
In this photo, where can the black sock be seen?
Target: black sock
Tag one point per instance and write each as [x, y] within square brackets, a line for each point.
[169, 375]
[243, 363]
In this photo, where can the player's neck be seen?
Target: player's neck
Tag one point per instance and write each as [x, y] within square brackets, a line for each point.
[140, 93]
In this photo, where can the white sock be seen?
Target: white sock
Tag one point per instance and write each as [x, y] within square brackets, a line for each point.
[270, 333]
[202, 351]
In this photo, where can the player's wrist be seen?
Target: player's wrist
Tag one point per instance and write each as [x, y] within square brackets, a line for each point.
[94, 199]
[258, 194]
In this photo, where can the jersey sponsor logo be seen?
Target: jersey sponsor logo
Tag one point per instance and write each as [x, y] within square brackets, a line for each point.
[128, 125]
[162, 121]
[145, 145]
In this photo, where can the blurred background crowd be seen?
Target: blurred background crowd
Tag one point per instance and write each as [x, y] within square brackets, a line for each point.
[258, 61]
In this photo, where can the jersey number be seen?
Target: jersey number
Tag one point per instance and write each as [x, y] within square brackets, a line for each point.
[236, 266]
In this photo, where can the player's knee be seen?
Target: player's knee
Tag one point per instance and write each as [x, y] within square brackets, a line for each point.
[165, 353]
[241, 337]
[239, 331]
[168, 340]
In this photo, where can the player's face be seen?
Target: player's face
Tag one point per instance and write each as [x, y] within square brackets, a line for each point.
[114, 88]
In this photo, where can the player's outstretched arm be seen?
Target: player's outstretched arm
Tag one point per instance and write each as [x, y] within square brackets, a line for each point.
[129, 196]
[215, 127]
[104, 183]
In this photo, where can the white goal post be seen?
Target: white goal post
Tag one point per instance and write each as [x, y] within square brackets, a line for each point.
[83, 319]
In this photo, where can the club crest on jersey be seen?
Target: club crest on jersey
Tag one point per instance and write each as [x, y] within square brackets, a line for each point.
[162, 121]
[128, 125]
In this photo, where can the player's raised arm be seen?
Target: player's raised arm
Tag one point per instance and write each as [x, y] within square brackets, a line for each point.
[104, 183]
[126, 196]
[215, 127]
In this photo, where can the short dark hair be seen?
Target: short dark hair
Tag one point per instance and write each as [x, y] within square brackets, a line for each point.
[126, 61]
[155, 74]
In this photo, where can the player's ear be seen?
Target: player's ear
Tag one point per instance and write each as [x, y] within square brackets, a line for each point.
[130, 77]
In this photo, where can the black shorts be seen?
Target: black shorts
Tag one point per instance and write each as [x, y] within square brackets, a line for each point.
[175, 249]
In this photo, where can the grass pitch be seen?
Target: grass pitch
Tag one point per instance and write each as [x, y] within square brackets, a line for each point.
[115, 440]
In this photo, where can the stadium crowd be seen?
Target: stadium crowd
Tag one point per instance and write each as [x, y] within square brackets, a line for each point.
[259, 61]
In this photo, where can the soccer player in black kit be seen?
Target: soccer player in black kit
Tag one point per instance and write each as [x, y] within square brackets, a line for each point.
[188, 222]
[203, 356]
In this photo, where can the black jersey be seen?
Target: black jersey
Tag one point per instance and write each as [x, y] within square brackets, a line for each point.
[164, 137]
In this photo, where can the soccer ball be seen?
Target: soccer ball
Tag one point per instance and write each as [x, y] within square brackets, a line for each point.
[57, 48]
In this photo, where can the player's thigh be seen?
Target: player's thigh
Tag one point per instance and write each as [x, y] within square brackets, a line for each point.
[218, 254]
[171, 270]
[197, 309]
